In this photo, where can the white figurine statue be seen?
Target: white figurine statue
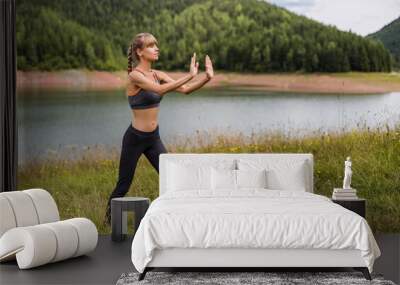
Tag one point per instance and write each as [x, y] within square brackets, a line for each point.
[347, 174]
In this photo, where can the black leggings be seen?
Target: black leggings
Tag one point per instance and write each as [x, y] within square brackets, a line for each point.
[134, 143]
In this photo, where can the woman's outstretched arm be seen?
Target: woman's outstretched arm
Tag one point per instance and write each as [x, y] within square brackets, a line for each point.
[185, 88]
[190, 87]
[147, 84]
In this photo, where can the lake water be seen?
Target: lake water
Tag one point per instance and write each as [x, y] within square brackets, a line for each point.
[57, 121]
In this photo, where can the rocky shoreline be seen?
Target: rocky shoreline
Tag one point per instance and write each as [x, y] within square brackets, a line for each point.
[362, 83]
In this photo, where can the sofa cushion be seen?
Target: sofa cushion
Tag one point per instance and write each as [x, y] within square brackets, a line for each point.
[27, 208]
[24, 210]
[7, 215]
[46, 207]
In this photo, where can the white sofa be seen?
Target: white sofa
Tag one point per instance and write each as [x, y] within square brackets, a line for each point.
[167, 237]
[31, 231]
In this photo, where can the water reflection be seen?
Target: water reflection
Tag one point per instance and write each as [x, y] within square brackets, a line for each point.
[56, 120]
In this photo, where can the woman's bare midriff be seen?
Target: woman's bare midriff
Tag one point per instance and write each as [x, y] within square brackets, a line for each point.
[145, 120]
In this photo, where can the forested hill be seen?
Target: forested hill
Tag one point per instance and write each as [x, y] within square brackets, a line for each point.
[239, 35]
[390, 36]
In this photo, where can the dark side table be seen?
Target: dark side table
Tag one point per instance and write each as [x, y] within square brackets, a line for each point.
[357, 205]
[119, 209]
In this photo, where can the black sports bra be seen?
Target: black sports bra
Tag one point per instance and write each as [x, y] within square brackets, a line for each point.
[145, 99]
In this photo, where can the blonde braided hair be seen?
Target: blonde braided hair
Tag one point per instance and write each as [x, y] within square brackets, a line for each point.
[140, 41]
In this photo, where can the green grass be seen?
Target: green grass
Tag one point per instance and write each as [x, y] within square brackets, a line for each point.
[381, 77]
[81, 188]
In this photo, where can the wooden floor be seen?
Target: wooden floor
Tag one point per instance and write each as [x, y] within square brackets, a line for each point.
[110, 259]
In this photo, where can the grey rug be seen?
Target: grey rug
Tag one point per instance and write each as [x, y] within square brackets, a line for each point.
[275, 278]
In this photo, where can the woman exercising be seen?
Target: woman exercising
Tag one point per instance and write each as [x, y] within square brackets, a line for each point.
[146, 88]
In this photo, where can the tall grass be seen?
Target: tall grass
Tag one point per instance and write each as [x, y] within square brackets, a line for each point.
[81, 187]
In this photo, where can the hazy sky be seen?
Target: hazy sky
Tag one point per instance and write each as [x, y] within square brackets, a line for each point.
[360, 16]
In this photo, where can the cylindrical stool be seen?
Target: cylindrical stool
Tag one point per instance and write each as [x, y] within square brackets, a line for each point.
[119, 208]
